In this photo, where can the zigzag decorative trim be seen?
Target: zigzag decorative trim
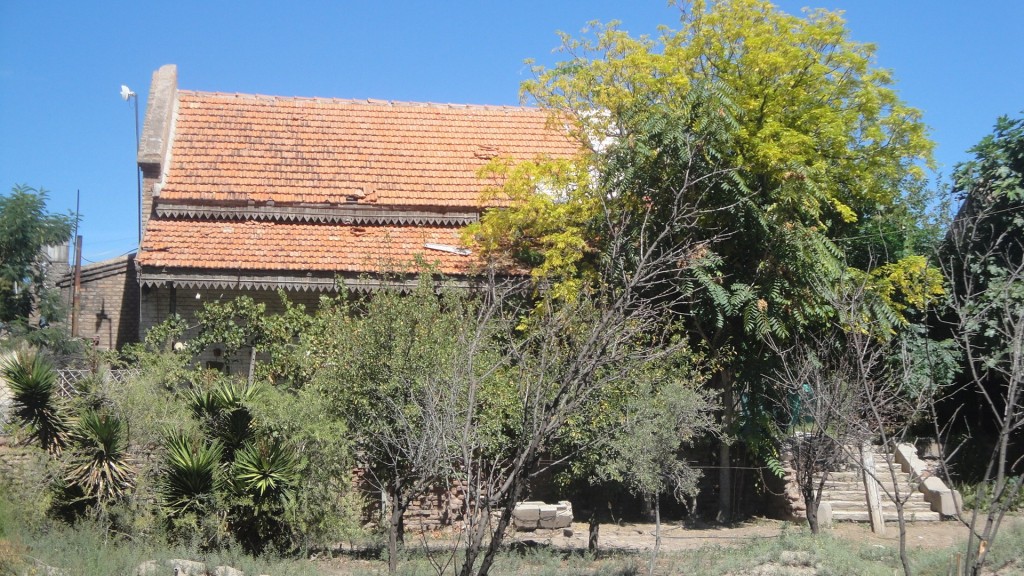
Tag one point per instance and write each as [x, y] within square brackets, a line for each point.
[194, 281]
[322, 214]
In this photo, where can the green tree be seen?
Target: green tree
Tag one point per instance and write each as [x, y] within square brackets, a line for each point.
[390, 368]
[646, 452]
[794, 149]
[25, 229]
[984, 262]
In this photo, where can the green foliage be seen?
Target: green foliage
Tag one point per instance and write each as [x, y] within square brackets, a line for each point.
[382, 366]
[222, 409]
[159, 363]
[982, 496]
[549, 229]
[189, 479]
[771, 146]
[997, 171]
[25, 229]
[244, 323]
[100, 464]
[986, 244]
[670, 410]
[87, 548]
[33, 384]
[237, 472]
[266, 470]
[323, 507]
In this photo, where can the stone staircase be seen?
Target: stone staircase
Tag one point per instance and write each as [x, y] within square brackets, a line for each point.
[846, 493]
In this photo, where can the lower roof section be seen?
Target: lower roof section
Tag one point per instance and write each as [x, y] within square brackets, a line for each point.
[273, 280]
[294, 249]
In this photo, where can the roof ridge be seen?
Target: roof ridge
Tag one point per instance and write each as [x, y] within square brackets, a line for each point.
[362, 101]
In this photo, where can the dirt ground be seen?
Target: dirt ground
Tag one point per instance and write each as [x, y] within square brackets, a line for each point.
[631, 537]
[676, 537]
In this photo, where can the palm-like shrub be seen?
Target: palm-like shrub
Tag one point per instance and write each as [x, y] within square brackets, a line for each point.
[223, 409]
[264, 476]
[189, 481]
[100, 464]
[33, 384]
[266, 470]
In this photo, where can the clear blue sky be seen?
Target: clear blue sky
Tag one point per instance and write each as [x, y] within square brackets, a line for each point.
[63, 126]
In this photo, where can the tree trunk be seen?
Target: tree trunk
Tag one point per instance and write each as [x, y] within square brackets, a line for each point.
[515, 492]
[724, 451]
[812, 512]
[251, 377]
[595, 528]
[904, 559]
[396, 528]
[657, 535]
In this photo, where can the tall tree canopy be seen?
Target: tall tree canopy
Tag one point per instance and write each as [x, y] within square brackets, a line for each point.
[806, 168]
[25, 229]
[983, 257]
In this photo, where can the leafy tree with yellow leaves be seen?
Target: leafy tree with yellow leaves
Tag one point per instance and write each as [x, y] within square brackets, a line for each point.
[805, 167]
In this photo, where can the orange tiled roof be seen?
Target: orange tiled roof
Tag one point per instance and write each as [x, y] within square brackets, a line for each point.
[237, 148]
[260, 245]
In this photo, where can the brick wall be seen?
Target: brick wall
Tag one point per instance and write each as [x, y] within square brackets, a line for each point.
[108, 302]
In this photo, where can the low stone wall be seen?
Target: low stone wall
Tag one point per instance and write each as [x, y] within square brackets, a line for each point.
[784, 492]
[20, 465]
[942, 499]
[440, 507]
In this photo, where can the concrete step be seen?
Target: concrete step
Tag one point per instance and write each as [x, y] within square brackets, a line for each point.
[904, 486]
[862, 516]
[844, 491]
[854, 495]
[880, 475]
[882, 489]
[909, 507]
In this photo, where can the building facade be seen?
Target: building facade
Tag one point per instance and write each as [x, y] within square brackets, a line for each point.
[249, 194]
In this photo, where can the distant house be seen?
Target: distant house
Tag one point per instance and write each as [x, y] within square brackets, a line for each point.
[248, 194]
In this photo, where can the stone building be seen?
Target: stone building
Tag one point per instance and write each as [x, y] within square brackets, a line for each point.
[249, 194]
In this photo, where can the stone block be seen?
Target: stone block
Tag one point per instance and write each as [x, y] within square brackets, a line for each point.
[825, 515]
[532, 515]
[939, 496]
[906, 454]
[548, 512]
[526, 512]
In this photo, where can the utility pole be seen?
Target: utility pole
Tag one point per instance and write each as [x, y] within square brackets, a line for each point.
[75, 297]
[133, 100]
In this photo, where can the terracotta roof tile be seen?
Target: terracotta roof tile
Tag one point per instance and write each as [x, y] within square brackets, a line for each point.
[237, 148]
[258, 245]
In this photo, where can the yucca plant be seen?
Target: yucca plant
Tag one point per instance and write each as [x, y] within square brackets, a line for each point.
[264, 477]
[189, 480]
[100, 464]
[223, 409]
[265, 470]
[33, 384]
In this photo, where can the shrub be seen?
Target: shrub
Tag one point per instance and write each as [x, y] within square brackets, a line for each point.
[32, 381]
